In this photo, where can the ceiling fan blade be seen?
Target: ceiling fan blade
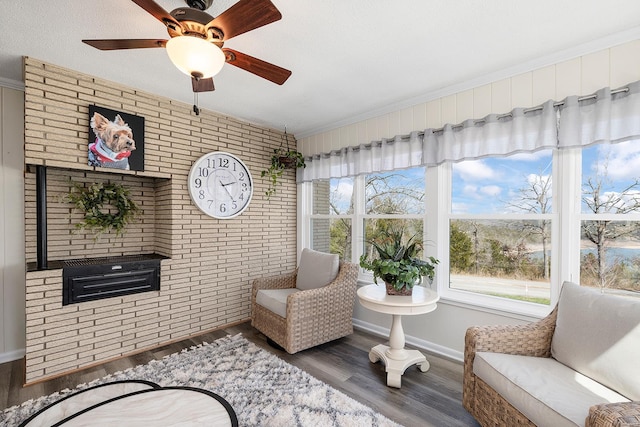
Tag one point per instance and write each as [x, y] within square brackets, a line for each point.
[157, 11]
[257, 66]
[115, 44]
[246, 15]
[202, 85]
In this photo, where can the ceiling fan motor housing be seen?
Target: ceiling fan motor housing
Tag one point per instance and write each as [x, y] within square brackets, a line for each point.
[194, 23]
[199, 4]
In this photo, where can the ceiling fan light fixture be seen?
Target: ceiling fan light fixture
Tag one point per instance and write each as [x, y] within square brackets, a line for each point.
[195, 56]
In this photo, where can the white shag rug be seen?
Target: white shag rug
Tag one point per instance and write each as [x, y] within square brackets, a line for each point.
[262, 389]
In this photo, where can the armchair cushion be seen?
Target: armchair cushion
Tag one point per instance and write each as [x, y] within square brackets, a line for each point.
[316, 269]
[546, 392]
[275, 299]
[598, 335]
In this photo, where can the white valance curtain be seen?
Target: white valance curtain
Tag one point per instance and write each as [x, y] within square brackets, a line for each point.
[602, 117]
[606, 116]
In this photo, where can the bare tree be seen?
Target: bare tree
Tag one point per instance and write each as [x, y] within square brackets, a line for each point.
[600, 232]
[392, 194]
[535, 197]
[385, 197]
[341, 231]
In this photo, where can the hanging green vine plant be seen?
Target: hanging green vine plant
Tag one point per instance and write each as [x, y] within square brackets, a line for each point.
[91, 201]
[282, 158]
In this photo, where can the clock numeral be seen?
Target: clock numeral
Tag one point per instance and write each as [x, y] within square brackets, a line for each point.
[241, 196]
[234, 166]
[244, 186]
[224, 163]
[201, 194]
[211, 163]
[240, 176]
[198, 182]
[210, 201]
[203, 172]
[234, 205]
[223, 207]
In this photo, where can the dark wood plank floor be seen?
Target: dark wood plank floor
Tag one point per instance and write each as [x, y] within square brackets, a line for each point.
[432, 398]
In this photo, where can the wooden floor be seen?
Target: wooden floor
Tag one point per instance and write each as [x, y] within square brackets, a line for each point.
[432, 398]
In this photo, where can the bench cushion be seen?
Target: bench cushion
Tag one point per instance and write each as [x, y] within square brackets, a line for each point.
[544, 390]
[598, 335]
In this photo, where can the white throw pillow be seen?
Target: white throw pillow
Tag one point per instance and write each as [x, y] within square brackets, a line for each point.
[316, 269]
[598, 335]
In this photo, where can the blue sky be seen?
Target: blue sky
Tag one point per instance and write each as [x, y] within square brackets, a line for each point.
[490, 185]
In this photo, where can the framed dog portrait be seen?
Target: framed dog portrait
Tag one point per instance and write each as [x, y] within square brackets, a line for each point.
[116, 139]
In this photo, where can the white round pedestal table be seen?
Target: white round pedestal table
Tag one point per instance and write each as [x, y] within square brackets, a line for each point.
[395, 357]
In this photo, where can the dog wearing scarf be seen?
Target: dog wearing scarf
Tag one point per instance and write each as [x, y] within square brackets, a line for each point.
[113, 145]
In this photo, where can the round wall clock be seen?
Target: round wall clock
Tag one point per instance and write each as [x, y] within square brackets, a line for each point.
[220, 185]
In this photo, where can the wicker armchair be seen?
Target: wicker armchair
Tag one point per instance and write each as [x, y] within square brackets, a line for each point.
[489, 408]
[313, 316]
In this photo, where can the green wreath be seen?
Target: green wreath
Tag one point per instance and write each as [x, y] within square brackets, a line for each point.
[90, 200]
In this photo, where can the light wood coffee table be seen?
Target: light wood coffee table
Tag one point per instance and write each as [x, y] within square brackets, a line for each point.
[395, 357]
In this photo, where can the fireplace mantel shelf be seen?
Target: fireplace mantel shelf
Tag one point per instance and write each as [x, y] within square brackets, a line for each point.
[59, 264]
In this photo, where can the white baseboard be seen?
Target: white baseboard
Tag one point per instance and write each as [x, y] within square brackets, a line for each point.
[447, 352]
[12, 355]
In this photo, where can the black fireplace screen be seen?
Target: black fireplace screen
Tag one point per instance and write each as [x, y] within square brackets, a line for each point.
[96, 278]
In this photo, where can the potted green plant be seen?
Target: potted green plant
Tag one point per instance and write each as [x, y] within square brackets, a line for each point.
[282, 158]
[397, 263]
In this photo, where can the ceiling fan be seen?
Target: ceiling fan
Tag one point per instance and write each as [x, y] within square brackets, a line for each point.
[195, 46]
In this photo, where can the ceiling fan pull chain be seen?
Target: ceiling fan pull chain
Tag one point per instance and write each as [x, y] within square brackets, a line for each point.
[196, 109]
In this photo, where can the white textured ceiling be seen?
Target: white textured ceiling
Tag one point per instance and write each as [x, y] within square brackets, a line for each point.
[349, 58]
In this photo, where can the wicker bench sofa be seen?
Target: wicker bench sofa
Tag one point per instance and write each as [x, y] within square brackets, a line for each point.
[580, 365]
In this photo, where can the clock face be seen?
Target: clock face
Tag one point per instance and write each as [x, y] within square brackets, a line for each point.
[220, 185]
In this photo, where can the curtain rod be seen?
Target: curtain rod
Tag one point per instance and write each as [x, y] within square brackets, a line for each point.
[528, 110]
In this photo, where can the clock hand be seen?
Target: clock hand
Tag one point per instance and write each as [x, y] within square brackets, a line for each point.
[227, 190]
[224, 185]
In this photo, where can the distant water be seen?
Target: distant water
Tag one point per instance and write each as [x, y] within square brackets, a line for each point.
[613, 254]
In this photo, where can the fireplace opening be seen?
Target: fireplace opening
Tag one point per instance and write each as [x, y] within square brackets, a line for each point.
[91, 279]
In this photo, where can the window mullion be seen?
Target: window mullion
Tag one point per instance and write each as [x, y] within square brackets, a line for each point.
[436, 220]
[568, 191]
[357, 232]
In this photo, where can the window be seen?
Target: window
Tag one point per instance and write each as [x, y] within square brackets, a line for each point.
[394, 201]
[331, 224]
[500, 227]
[610, 225]
[375, 202]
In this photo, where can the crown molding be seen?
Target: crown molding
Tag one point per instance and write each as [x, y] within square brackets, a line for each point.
[11, 84]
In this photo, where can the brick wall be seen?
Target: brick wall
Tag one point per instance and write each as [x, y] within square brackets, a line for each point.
[321, 229]
[206, 282]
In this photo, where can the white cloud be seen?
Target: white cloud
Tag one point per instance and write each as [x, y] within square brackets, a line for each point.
[341, 193]
[623, 160]
[481, 192]
[541, 183]
[474, 170]
[459, 208]
[344, 189]
[530, 157]
[470, 189]
[491, 190]
[615, 201]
